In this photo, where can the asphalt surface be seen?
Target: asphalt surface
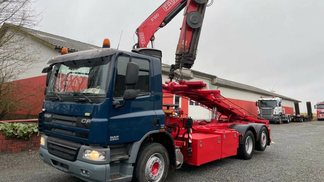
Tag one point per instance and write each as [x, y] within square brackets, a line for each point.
[296, 154]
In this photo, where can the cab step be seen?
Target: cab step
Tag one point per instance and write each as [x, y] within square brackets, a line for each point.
[118, 157]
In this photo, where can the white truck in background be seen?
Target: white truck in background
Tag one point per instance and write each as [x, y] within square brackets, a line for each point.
[270, 108]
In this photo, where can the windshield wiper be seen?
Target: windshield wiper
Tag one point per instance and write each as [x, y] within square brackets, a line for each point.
[83, 99]
[57, 97]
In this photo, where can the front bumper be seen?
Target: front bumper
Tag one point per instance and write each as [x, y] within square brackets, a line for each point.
[320, 116]
[272, 118]
[79, 169]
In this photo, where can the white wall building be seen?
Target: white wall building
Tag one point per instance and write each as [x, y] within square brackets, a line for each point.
[50, 45]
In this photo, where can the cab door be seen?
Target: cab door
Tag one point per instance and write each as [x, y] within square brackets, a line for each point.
[135, 118]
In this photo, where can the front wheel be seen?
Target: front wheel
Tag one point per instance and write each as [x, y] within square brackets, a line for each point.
[245, 150]
[152, 163]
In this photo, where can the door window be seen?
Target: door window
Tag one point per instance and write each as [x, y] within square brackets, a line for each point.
[143, 83]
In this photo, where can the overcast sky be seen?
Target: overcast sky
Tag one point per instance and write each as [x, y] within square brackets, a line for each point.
[271, 44]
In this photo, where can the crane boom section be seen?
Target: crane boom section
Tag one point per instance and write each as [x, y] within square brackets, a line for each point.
[190, 30]
[158, 19]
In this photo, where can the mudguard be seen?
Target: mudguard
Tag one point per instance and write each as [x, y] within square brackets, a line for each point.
[254, 127]
[164, 138]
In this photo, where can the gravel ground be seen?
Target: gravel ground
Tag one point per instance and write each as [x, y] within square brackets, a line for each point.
[296, 154]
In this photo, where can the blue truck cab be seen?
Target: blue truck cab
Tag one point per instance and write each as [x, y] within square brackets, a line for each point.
[100, 107]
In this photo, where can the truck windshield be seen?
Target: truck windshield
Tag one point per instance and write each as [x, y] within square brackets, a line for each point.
[268, 103]
[80, 77]
[320, 106]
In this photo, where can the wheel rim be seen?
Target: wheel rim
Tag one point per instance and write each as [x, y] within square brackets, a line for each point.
[263, 139]
[154, 168]
[248, 145]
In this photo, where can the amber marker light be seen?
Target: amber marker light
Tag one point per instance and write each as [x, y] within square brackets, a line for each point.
[64, 50]
[42, 141]
[106, 43]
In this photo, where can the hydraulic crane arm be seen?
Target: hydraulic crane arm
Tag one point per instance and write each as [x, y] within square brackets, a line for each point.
[190, 31]
[158, 19]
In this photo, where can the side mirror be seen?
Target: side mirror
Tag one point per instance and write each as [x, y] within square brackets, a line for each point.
[257, 103]
[47, 69]
[48, 77]
[130, 94]
[131, 79]
[315, 107]
[132, 71]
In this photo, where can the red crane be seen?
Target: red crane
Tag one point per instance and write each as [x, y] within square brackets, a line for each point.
[234, 134]
[194, 11]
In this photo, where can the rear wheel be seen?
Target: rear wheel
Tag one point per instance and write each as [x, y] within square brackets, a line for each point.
[152, 163]
[245, 150]
[261, 145]
[288, 120]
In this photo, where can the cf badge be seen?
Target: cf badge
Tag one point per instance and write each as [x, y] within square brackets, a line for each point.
[85, 121]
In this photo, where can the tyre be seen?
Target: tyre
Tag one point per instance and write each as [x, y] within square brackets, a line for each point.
[261, 145]
[152, 163]
[289, 119]
[245, 150]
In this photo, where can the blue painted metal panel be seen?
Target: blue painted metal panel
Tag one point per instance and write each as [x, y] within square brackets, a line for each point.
[111, 125]
[68, 108]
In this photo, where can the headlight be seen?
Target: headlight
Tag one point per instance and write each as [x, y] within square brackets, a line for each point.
[42, 141]
[94, 155]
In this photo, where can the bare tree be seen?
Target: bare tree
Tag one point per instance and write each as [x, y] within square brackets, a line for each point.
[16, 55]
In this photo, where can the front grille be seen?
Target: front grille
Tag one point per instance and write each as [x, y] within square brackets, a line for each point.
[62, 148]
[266, 112]
[77, 126]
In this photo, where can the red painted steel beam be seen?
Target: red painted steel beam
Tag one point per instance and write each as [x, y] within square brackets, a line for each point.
[210, 99]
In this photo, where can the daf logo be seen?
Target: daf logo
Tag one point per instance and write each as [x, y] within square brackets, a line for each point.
[47, 115]
[85, 121]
